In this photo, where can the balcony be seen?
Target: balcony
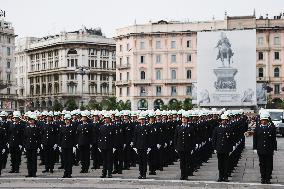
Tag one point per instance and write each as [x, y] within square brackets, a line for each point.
[123, 66]
[177, 81]
[123, 82]
[262, 79]
[142, 82]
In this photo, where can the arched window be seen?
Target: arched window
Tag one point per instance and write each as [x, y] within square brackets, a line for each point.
[142, 75]
[276, 72]
[188, 74]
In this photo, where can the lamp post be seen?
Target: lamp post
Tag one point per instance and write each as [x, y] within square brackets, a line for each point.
[82, 71]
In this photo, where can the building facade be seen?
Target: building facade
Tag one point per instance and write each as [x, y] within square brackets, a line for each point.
[50, 69]
[8, 98]
[157, 62]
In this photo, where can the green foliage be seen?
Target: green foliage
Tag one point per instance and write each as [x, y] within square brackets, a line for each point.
[57, 106]
[178, 105]
[71, 104]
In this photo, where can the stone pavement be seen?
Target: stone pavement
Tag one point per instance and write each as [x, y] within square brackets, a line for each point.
[245, 176]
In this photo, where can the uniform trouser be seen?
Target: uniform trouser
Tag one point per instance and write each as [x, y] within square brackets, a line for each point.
[95, 155]
[161, 157]
[223, 163]
[184, 163]
[153, 160]
[1, 159]
[15, 158]
[67, 155]
[107, 157]
[48, 157]
[127, 153]
[85, 156]
[4, 158]
[32, 162]
[265, 165]
[118, 159]
[142, 160]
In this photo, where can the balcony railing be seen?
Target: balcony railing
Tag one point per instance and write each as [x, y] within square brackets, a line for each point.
[123, 82]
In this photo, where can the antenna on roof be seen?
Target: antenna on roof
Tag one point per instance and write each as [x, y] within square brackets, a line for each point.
[135, 22]
[254, 12]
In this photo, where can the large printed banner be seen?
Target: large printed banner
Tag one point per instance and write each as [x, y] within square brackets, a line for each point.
[226, 68]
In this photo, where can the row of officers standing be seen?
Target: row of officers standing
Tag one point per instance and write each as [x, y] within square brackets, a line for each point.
[117, 141]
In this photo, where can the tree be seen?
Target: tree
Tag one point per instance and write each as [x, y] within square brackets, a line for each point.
[57, 106]
[71, 104]
[187, 104]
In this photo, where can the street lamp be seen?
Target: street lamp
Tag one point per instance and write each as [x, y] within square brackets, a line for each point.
[82, 71]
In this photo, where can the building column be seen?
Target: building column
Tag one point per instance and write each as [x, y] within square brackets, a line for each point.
[110, 84]
[98, 83]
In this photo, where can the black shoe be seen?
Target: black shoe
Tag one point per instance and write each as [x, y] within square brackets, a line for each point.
[161, 169]
[64, 176]
[17, 171]
[226, 180]
[109, 176]
[12, 171]
[119, 172]
[28, 176]
[219, 180]
[115, 172]
[93, 167]
[69, 176]
[103, 176]
[51, 170]
[45, 171]
[263, 181]
[61, 167]
[41, 163]
[82, 171]
[152, 173]
[268, 182]
[183, 178]
[140, 177]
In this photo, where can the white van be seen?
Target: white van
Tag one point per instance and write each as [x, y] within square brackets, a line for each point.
[277, 117]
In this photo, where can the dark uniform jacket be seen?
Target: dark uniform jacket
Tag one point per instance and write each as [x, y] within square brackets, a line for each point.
[141, 137]
[118, 134]
[49, 134]
[105, 137]
[184, 138]
[3, 134]
[31, 137]
[84, 133]
[221, 139]
[67, 136]
[264, 139]
[95, 132]
[16, 133]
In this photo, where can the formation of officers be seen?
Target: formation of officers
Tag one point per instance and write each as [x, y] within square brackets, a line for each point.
[117, 141]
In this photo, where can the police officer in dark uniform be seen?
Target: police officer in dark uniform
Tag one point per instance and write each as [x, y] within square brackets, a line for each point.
[49, 133]
[128, 135]
[106, 146]
[221, 141]
[3, 142]
[67, 143]
[141, 145]
[16, 133]
[84, 134]
[31, 145]
[265, 143]
[118, 144]
[94, 140]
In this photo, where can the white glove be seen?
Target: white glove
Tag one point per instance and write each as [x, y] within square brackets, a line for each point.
[176, 151]
[196, 146]
[215, 151]
[91, 146]
[113, 150]
[24, 149]
[135, 149]
[171, 142]
[74, 150]
[148, 150]
[3, 151]
[41, 146]
[158, 146]
[255, 151]
[38, 150]
[124, 145]
[191, 152]
[234, 148]
[99, 150]
[165, 145]
[131, 143]
[55, 146]
[8, 145]
[20, 146]
[77, 146]
[60, 150]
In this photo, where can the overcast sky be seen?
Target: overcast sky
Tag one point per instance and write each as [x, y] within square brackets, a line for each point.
[43, 17]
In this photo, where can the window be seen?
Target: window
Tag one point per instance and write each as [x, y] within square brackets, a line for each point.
[120, 61]
[188, 90]
[158, 44]
[8, 77]
[260, 55]
[142, 59]
[8, 91]
[142, 75]
[188, 74]
[188, 58]
[120, 91]
[276, 89]
[8, 65]
[173, 90]
[127, 76]
[260, 40]
[127, 47]
[260, 72]
[120, 76]
[188, 44]
[8, 51]
[158, 90]
[158, 58]
[173, 44]
[142, 91]
[120, 48]
[173, 74]
[9, 40]
[127, 91]
[276, 72]
[142, 45]
[276, 40]
[276, 55]
[158, 74]
[127, 61]
[173, 58]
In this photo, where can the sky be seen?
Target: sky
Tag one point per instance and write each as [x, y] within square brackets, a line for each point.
[39, 18]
